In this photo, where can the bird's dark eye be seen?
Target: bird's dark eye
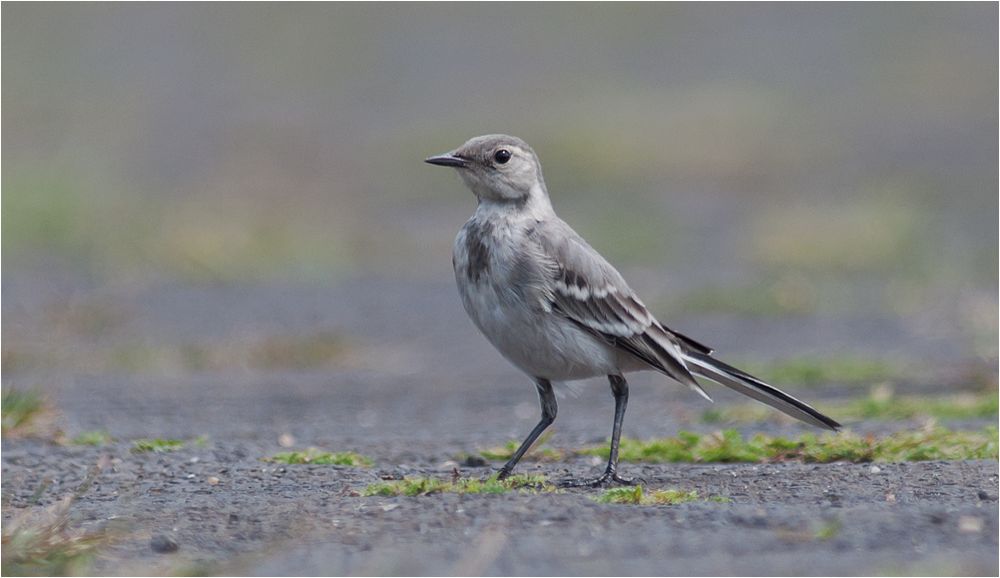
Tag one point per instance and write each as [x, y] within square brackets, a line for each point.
[501, 156]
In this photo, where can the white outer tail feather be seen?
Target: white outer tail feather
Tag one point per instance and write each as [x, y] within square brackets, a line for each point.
[732, 378]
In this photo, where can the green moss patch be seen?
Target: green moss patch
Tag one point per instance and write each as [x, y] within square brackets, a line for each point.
[829, 530]
[157, 445]
[320, 457]
[637, 495]
[92, 438]
[423, 486]
[730, 446]
[26, 413]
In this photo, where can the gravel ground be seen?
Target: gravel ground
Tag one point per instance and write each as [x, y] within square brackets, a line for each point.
[263, 518]
[424, 389]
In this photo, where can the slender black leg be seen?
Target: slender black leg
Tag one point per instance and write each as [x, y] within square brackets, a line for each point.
[619, 388]
[547, 399]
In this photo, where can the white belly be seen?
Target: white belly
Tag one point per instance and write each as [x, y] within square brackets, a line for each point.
[540, 343]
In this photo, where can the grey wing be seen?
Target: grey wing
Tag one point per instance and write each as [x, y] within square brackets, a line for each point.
[585, 288]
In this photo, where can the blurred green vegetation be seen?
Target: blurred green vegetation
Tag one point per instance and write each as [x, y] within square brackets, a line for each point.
[20, 408]
[51, 542]
[808, 371]
[113, 234]
[323, 458]
[872, 232]
[537, 451]
[244, 352]
[156, 445]
[880, 404]
[92, 438]
[28, 413]
[831, 159]
[639, 496]
[422, 486]
[162, 140]
[786, 295]
[730, 446]
[626, 233]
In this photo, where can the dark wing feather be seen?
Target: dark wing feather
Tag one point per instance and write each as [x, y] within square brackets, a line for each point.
[588, 290]
[691, 344]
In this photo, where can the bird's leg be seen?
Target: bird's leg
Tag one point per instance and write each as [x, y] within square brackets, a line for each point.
[547, 399]
[619, 388]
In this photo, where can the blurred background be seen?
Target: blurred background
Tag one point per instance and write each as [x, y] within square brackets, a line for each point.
[219, 234]
[228, 189]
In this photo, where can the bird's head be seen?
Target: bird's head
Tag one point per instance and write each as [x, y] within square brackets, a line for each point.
[496, 167]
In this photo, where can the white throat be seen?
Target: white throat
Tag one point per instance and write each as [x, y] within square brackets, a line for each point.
[535, 205]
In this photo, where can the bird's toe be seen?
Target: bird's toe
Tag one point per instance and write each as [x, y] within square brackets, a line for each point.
[608, 480]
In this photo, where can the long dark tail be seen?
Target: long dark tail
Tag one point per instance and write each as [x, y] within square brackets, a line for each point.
[727, 375]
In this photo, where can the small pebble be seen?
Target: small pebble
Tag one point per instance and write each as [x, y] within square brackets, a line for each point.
[970, 525]
[162, 544]
[213, 481]
[475, 462]
[875, 470]
[286, 440]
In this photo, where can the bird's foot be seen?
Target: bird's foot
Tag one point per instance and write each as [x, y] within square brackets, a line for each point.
[610, 478]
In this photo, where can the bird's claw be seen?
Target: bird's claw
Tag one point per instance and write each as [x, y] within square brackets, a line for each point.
[607, 480]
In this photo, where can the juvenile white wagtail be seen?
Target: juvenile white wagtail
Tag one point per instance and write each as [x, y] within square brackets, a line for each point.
[558, 310]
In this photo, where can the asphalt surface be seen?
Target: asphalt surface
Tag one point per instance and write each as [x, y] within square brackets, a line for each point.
[230, 513]
[416, 390]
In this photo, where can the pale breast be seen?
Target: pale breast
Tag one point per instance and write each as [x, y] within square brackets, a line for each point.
[504, 294]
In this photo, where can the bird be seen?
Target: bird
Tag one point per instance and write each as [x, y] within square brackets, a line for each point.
[559, 311]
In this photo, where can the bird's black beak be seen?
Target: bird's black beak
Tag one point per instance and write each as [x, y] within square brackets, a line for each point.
[448, 160]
